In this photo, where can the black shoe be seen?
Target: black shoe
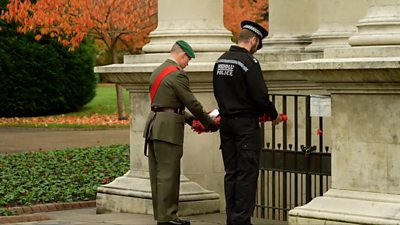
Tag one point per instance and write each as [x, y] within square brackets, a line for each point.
[175, 222]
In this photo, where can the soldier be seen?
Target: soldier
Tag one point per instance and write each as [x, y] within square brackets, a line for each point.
[242, 97]
[170, 94]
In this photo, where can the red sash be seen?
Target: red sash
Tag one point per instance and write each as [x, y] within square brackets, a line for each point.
[167, 70]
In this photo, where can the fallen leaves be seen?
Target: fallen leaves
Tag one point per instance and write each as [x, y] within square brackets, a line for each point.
[91, 120]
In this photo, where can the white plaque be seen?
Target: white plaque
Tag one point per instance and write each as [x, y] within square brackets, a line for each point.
[320, 105]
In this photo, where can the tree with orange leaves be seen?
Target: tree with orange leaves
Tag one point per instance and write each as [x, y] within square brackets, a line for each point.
[69, 21]
[237, 10]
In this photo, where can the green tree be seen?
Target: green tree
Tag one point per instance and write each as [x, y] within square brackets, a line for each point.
[69, 21]
[42, 77]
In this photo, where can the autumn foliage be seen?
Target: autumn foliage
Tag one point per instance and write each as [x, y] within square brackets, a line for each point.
[69, 21]
[115, 24]
[237, 10]
[45, 121]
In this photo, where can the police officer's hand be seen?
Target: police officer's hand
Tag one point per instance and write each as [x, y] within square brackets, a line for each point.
[213, 126]
[277, 120]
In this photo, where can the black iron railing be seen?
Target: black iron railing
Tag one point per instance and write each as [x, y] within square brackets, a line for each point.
[295, 163]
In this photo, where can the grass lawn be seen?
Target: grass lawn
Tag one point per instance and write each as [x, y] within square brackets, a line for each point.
[64, 175]
[100, 112]
[104, 103]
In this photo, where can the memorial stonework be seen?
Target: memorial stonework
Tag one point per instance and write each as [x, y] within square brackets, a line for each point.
[359, 68]
[347, 50]
[201, 163]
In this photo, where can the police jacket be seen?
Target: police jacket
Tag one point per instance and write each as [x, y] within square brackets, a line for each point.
[173, 92]
[239, 85]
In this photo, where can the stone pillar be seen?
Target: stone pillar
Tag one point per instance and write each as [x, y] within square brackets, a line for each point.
[201, 25]
[378, 33]
[291, 24]
[365, 148]
[381, 25]
[337, 22]
[363, 80]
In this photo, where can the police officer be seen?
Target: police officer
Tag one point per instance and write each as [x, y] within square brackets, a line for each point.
[170, 94]
[242, 97]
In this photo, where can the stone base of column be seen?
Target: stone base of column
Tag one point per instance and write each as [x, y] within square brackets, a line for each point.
[285, 43]
[200, 41]
[131, 194]
[286, 49]
[348, 207]
[378, 33]
[266, 57]
[323, 41]
[363, 52]
[158, 58]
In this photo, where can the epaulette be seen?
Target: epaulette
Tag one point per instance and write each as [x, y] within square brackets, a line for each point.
[252, 58]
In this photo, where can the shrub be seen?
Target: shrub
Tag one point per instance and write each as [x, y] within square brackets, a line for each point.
[65, 175]
[42, 77]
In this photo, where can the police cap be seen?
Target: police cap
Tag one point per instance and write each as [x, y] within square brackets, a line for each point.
[260, 31]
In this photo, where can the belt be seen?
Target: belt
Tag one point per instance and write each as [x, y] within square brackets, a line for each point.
[168, 109]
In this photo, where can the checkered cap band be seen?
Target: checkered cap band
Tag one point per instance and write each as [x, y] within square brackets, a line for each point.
[255, 30]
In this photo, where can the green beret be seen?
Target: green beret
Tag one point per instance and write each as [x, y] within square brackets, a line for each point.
[186, 48]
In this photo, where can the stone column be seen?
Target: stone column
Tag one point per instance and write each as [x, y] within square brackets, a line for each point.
[291, 24]
[365, 148]
[337, 22]
[363, 80]
[381, 25]
[201, 25]
[378, 33]
[364, 135]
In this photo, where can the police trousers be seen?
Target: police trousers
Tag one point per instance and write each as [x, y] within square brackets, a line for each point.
[165, 170]
[240, 146]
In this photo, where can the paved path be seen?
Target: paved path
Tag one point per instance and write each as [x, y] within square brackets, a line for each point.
[89, 217]
[33, 139]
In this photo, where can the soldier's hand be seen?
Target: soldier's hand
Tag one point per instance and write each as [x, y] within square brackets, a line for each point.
[189, 121]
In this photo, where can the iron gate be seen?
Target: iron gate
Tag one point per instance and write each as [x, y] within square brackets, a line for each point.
[295, 164]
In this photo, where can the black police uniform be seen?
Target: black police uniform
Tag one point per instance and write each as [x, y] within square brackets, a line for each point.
[242, 97]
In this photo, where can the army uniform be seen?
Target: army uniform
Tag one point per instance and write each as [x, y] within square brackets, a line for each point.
[242, 97]
[164, 133]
